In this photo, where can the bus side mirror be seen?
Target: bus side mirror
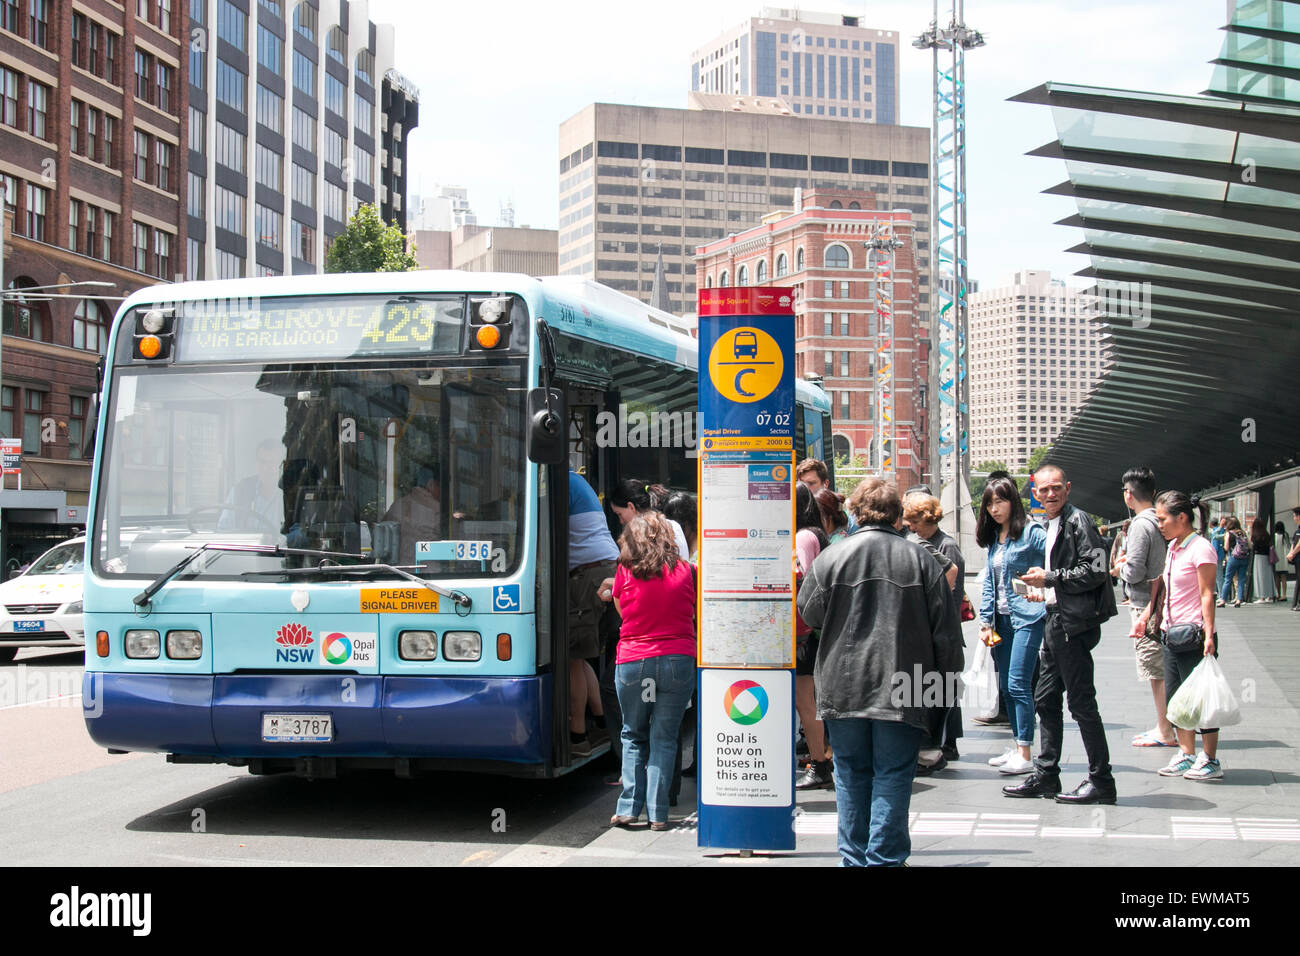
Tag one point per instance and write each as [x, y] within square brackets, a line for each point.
[547, 440]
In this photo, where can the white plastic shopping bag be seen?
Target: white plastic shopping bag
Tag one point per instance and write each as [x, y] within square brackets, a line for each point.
[980, 683]
[1204, 699]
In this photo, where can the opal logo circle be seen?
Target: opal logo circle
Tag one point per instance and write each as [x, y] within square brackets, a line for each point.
[780, 473]
[745, 702]
[745, 365]
[336, 648]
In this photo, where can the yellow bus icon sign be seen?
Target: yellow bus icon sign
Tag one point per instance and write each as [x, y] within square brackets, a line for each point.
[745, 365]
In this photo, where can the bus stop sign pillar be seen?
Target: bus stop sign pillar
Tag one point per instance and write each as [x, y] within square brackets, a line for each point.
[746, 649]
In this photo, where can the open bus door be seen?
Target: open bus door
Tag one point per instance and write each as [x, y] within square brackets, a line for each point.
[557, 581]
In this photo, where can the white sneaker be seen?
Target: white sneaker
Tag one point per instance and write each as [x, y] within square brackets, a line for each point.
[999, 760]
[1205, 768]
[1016, 764]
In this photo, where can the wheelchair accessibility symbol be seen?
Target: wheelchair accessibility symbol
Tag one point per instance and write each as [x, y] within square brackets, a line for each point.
[505, 597]
[745, 365]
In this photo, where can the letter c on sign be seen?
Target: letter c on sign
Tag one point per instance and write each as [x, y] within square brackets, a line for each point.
[740, 389]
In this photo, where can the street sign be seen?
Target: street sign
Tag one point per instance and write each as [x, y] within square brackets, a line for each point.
[11, 451]
[1036, 508]
[746, 602]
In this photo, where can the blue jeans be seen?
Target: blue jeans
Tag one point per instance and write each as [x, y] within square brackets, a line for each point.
[653, 694]
[1016, 668]
[1237, 568]
[1218, 575]
[875, 761]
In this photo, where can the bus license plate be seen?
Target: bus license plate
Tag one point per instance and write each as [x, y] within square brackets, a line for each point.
[28, 626]
[297, 728]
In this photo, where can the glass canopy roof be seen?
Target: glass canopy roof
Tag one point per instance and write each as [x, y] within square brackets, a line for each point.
[1197, 200]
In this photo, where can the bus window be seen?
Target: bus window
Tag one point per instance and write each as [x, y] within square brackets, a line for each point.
[814, 446]
[307, 455]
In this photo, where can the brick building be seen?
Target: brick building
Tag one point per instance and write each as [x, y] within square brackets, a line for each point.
[92, 118]
[818, 248]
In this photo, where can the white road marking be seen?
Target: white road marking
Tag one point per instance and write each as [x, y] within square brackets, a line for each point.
[43, 700]
[244, 861]
[1138, 836]
[1025, 825]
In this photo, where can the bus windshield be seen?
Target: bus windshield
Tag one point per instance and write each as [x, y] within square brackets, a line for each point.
[409, 463]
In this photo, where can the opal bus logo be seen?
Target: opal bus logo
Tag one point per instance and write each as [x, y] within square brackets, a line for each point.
[336, 649]
[352, 647]
[295, 645]
[745, 365]
[745, 702]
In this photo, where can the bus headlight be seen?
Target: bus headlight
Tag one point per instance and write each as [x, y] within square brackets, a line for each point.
[494, 310]
[184, 645]
[142, 644]
[462, 646]
[417, 646]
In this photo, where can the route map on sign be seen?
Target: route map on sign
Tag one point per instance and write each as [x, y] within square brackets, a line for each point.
[746, 616]
[748, 631]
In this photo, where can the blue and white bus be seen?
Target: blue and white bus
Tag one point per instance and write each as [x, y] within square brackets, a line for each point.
[329, 512]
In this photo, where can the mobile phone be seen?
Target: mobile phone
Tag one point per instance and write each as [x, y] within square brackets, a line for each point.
[1020, 587]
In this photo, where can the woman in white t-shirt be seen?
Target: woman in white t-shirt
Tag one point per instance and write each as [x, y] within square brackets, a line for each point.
[1185, 595]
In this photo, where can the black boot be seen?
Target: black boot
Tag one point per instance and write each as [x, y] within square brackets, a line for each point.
[818, 776]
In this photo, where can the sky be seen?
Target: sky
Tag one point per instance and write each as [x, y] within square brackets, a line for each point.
[496, 79]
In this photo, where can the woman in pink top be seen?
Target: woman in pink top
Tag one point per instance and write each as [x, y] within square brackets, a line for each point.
[654, 674]
[1185, 593]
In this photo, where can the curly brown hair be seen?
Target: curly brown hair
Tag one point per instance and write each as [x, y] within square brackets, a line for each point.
[875, 501]
[647, 546]
[920, 508]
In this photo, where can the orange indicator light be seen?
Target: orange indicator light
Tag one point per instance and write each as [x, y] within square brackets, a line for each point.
[101, 643]
[488, 336]
[150, 346]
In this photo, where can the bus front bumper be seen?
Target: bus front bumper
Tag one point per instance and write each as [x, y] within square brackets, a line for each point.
[449, 718]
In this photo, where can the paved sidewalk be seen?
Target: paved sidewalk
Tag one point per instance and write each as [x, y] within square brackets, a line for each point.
[960, 817]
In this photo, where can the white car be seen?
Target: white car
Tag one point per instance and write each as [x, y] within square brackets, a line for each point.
[42, 606]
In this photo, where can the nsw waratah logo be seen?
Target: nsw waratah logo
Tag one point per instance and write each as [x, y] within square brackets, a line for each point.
[295, 644]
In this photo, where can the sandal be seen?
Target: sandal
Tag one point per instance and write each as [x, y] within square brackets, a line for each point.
[621, 821]
[1152, 738]
[659, 826]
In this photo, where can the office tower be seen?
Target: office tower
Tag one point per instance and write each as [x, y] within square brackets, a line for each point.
[295, 117]
[504, 249]
[824, 65]
[635, 179]
[1034, 356]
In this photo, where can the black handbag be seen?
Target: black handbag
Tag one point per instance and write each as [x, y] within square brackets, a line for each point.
[1179, 638]
[1183, 637]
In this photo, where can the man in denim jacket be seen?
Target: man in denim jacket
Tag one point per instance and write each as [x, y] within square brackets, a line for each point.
[1079, 598]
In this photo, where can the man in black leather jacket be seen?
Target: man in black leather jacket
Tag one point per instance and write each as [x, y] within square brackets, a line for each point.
[1079, 598]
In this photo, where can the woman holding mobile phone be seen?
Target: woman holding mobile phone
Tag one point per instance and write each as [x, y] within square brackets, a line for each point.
[1011, 622]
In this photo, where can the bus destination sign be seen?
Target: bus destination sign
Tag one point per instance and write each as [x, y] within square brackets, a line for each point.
[341, 327]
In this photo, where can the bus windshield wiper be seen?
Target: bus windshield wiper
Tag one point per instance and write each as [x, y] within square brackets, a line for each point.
[270, 550]
[459, 597]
